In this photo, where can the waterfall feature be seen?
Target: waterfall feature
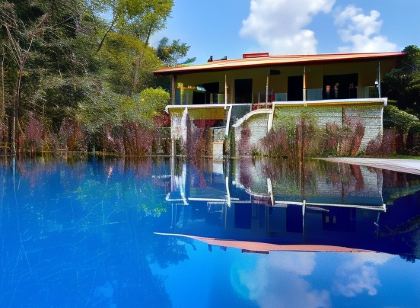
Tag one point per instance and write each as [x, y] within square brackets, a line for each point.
[185, 131]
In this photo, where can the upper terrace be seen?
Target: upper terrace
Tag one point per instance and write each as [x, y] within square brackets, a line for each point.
[260, 78]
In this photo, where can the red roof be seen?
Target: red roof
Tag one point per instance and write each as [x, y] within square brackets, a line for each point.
[266, 61]
[266, 247]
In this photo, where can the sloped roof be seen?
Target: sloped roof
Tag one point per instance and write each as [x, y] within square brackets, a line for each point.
[265, 247]
[265, 60]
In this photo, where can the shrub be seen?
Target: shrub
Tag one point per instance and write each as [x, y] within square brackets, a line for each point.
[298, 133]
[244, 147]
[383, 145]
[3, 137]
[71, 136]
[401, 120]
[294, 130]
[413, 139]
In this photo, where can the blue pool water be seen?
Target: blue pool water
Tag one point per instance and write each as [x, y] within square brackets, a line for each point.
[162, 233]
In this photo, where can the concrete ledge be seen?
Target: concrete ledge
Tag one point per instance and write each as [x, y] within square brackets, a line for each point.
[411, 166]
[335, 102]
[325, 102]
[249, 115]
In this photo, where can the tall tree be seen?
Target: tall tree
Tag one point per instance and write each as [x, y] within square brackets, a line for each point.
[173, 53]
[403, 82]
[142, 19]
[20, 40]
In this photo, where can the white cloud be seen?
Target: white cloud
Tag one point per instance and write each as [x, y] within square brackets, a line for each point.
[360, 275]
[280, 26]
[361, 32]
[278, 281]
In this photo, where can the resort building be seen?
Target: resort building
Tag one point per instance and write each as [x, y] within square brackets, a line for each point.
[236, 205]
[229, 94]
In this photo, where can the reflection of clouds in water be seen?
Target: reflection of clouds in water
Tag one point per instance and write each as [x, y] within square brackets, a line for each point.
[277, 281]
[359, 274]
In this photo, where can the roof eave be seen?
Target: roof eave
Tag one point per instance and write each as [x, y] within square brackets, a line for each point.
[233, 66]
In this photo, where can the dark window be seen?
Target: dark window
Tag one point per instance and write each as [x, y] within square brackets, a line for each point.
[243, 216]
[340, 86]
[208, 96]
[243, 91]
[295, 88]
[294, 219]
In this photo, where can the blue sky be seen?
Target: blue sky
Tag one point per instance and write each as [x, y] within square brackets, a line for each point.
[231, 27]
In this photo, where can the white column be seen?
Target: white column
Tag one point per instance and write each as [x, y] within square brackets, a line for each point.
[271, 118]
[229, 115]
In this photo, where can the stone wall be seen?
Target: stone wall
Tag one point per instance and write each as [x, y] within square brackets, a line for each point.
[258, 127]
[257, 124]
[369, 116]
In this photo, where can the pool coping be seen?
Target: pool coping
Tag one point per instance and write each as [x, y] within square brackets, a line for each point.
[411, 166]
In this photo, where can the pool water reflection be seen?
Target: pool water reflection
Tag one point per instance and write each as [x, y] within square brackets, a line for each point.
[114, 233]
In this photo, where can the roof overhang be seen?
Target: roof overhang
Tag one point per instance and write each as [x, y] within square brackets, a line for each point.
[270, 61]
[262, 247]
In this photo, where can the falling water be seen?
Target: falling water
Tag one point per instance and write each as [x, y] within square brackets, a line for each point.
[185, 130]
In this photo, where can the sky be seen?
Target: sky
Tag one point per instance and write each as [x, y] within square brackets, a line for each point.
[231, 27]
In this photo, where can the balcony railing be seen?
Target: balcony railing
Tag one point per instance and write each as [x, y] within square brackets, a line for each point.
[191, 97]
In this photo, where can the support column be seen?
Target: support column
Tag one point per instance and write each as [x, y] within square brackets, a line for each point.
[229, 115]
[173, 89]
[271, 118]
[304, 83]
[267, 84]
[173, 148]
[379, 80]
[226, 88]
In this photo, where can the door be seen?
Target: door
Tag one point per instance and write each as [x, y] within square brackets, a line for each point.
[212, 89]
[204, 97]
[243, 91]
[340, 86]
[295, 88]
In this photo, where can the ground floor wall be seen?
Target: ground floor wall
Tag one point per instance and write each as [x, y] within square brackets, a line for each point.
[246, 134]
[249, 134]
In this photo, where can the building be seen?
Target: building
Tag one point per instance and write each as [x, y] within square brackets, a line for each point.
[229, 94]
[238, 206]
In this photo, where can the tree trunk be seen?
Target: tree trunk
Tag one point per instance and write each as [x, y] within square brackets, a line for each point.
[138, 61]
[16, 111]
[3, 102]
[106, 34]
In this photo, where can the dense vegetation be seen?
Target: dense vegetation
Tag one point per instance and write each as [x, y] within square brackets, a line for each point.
[77, 74]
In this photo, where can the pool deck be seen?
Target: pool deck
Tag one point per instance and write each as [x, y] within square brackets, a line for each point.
[399, 165]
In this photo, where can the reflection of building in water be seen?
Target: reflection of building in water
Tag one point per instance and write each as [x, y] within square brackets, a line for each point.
[320, 212]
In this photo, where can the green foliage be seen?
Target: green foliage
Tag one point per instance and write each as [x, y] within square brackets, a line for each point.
[145, 17]
[415, 128]
[119, 53]
[173, 53]
[111, 110]
[69, 67]
[403, 82]
[400, 119]
[153, 102]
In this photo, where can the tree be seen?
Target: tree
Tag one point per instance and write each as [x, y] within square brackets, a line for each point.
[174, 53]
[20, 40]
[403, 82]
[81, 66]
[119, 54]
[142, 19]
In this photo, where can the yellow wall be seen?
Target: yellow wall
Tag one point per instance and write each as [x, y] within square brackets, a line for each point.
[367, 74]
